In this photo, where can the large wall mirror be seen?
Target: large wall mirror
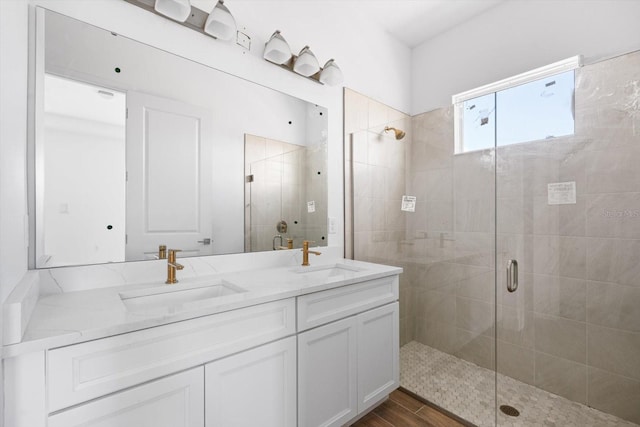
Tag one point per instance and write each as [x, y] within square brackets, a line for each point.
[135, 148]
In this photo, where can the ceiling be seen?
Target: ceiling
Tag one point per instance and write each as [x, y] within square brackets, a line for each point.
[410, 21]
[416, 21]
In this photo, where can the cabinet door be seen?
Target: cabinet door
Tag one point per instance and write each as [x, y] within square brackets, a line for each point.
[327, 374]
[378, 354]
[175, 401]
[253, 388]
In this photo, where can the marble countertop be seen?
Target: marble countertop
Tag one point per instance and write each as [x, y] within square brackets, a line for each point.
[73, 317]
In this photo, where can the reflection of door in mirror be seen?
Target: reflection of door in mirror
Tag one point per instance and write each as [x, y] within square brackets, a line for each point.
[280, 186]
[80, 185]
[169, 177]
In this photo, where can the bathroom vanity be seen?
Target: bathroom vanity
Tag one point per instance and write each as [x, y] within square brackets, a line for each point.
[281, 346]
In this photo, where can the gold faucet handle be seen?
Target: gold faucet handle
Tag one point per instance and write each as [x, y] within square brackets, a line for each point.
[172, 256]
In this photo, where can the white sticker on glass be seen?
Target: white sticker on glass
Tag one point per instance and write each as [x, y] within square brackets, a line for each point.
[408, 203]
[311, 206]
[561, 193]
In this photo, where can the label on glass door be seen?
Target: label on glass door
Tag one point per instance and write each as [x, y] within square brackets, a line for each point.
[408, 204]
[561, 193]
[311, 206]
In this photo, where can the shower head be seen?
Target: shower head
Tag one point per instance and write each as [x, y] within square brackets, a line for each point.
[399, 133]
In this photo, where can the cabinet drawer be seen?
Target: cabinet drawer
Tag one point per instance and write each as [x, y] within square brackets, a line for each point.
[175, 401]
[326, 306]
[85, 371]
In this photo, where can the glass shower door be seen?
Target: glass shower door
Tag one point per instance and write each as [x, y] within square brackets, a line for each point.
[568, 250]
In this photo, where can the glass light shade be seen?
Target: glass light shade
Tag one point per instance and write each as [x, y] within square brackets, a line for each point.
[277, 49]
[220, 23]
[331, 74]
[177, 10]
[306, 64]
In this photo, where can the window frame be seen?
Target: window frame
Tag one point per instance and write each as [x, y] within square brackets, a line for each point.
[458, 100]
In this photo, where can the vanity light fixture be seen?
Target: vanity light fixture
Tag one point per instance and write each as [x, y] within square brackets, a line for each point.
[277, 49]
[220, 23]
[178, 10]
[306, 63]
[331, 74]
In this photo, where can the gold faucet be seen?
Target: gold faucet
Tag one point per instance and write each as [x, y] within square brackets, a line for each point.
[162, 252]
[306, 252]
[172, 266]
[289, 243]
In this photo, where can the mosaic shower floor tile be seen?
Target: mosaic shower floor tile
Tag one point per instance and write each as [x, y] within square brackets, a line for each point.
[467, 390]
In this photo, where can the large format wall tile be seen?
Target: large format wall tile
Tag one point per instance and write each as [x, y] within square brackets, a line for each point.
[475, 348]
[441, 336]
[614, 350]
[562, 220]
[614, 215]
[479, 285]
[614, 394]
[565, 256]
[561, 376]
[516, 326]
[516, 362]
[614, 170]
[561, 337]
[475, 316]
[560, 296]
[614, 306]
[614, 260]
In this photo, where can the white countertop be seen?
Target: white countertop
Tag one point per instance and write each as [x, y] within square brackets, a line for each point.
[72, 317]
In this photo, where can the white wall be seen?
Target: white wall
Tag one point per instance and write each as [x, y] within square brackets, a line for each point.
[518, 36]
[373, 63]
[13, 132]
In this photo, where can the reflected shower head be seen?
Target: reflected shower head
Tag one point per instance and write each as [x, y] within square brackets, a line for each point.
[399, 133]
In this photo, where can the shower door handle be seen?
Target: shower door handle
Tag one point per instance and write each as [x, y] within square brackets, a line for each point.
[512, 275]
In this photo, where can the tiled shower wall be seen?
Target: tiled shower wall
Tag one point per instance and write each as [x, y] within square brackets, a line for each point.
[573, 327]
[378, 173]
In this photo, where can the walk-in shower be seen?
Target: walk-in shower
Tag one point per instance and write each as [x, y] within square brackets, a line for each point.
[563, 348]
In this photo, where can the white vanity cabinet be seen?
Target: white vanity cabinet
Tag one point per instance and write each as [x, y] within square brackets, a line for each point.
[173, 401]
[319, 359]
[85, 371]
[378, 354]
[351, 363]
[253, 388]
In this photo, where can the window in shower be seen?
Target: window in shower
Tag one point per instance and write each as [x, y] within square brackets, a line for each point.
[529, 107]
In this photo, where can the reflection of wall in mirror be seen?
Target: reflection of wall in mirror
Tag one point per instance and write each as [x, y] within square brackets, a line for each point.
[82, 190]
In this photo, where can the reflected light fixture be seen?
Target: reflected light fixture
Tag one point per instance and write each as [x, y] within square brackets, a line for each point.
[178, 10]
[277, 49]
[331, 74]
[306, 64]
[220, 23]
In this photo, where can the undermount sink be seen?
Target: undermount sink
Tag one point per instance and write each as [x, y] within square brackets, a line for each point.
[177, 296]
[329, 270]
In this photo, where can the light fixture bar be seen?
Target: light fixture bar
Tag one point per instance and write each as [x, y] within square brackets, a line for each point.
[195, 21]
